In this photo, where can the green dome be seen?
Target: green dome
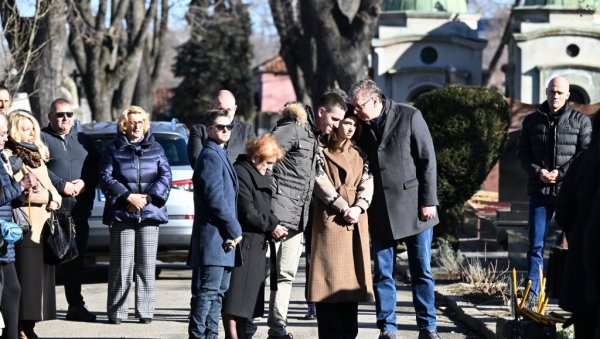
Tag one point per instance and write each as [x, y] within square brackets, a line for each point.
[567, 4]
[448, 6]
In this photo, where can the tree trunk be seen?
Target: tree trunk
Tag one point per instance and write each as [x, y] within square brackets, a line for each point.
[124, 95]
[326, 44]
[48, 68]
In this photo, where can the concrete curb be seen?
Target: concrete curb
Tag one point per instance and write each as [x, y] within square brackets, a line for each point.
[468, 313]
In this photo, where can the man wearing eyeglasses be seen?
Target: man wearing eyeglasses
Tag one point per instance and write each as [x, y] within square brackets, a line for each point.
[73, 170]
[240, 134]
[400, 151]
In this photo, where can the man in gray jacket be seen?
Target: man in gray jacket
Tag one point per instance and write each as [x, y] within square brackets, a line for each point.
[402, 159]
[293, 180]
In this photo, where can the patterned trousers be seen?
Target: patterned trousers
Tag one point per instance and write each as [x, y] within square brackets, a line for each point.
[132, 258]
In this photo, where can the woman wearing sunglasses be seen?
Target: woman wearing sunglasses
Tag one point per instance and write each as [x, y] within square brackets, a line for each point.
[216, 231]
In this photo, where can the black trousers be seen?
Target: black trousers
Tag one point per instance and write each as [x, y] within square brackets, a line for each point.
[337, 320]
[11, 293]
[584, 323]
[73, 276]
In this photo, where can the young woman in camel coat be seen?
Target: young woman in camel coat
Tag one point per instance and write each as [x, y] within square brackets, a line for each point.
[340, 270]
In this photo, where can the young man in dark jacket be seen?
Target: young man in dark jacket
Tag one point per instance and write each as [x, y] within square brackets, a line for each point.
[293, 181]
[550, 138]
[73, 169]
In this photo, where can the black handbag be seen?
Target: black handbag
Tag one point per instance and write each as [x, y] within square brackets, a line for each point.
[58, 237]
[556, 265]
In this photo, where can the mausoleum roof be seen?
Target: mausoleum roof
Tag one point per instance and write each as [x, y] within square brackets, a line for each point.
[447, 6]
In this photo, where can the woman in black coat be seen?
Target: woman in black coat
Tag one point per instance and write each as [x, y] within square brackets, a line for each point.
[135, 177]
[574, 214]
[258, 225]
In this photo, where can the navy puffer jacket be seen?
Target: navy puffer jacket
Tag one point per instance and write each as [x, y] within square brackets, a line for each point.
[129, 168]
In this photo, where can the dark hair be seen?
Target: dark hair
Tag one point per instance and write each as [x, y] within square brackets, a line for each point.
[331, 99]
[332, 138]
[4, 88]
[59, 101]
[213, 114]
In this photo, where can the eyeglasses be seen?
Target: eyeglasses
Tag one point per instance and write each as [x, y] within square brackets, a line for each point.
[220, 127]
[63, 114]
[362, 106]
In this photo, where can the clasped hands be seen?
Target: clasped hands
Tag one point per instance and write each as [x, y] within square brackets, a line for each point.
[352, 214]
[549, 177]
[136, 202]
[74, 188]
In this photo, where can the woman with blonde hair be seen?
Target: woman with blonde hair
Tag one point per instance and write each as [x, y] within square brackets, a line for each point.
[245, 298]
[135, 177]
[28, 155]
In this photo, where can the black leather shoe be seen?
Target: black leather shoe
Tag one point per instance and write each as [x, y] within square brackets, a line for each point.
[80, 313]
[115, 321]
[145, 320]
[425, 334]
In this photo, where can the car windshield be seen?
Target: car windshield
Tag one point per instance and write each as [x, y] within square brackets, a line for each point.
[174, 146]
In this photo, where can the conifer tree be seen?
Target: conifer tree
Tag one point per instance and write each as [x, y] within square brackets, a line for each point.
[217, 56]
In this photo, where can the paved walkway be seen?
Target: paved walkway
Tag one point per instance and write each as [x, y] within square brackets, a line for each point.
[172, 307]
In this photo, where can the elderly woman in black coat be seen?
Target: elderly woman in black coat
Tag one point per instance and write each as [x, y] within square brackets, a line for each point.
[575, 208]
[136, 177]
[242, 301]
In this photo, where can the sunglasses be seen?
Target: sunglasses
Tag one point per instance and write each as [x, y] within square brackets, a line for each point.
[220, 128]
[63, 114]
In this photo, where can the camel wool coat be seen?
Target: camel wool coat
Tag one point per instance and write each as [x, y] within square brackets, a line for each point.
[340, 269]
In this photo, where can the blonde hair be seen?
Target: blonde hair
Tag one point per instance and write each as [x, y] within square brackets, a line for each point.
[15, 121]
[122, 124]
[264, 147]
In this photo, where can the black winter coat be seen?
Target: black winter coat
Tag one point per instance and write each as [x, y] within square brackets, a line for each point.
[74, 157]
[128, 168]
[548, 143]
[254, 213]
[576, 204]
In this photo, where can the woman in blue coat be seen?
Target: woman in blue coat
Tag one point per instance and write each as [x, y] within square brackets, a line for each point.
[216, 230]
[135, 177]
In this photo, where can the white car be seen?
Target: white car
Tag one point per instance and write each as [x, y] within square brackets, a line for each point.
[174, 236]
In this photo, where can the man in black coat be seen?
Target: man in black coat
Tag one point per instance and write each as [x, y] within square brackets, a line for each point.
[402, 159]
[73, 170]
[240, 134]
[550, 139]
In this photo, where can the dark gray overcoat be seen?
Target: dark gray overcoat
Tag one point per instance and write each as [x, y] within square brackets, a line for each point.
[403, 164]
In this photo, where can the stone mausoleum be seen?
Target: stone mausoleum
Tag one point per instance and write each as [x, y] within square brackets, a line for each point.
[421, 45]
[550, 38]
